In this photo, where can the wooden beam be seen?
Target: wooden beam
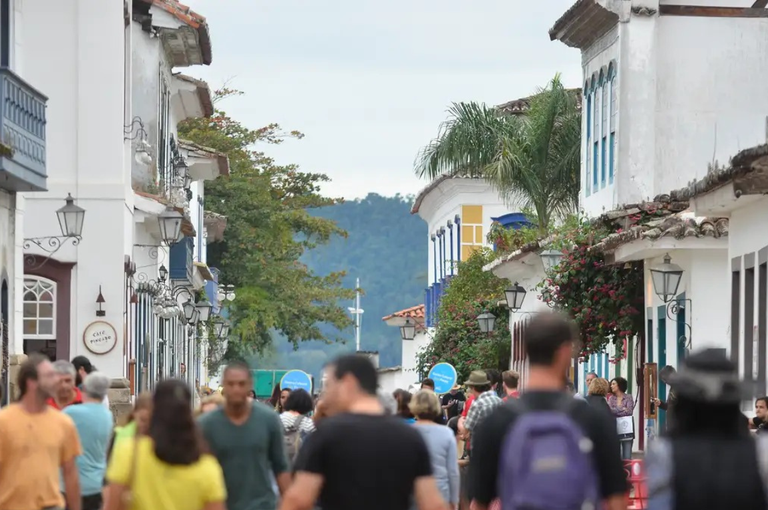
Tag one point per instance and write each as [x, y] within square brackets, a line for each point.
[760, 4]
[714, 12]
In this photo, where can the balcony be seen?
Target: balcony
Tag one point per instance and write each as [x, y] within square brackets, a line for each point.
[22, 124]
[181, 261]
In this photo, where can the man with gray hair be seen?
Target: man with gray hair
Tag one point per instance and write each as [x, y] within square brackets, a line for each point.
[94, 426]
[66, 392]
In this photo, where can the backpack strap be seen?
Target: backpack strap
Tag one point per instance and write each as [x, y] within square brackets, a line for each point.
[761, 443]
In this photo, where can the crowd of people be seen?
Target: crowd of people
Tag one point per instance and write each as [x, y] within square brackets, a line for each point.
[353, 448]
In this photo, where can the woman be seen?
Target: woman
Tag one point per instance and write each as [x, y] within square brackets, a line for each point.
[441, 443]
[623, 406]
[252, 395]
[403, 399]
[709, 457]
[596, 393]
[211, 403]
[295, 415]
[138, 420]
[168, 467]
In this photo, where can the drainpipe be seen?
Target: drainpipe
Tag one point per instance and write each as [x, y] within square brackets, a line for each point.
[450, 230]
[434, 257]
[457, 220]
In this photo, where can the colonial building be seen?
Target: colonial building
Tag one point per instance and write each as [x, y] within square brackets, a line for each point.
[23, 168]
[128, 290]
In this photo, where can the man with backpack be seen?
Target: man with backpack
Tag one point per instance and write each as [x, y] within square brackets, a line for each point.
[547, 450]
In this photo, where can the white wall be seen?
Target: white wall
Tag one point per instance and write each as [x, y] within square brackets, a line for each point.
[74, 51]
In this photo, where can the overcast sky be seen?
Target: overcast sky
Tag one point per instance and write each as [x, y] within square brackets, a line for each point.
[368, 81]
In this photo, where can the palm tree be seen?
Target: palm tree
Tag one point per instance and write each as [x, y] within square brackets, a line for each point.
[533, 159]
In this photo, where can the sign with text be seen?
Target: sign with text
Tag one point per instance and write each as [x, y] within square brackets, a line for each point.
[445, 377]
[100, 337]
[296, 379]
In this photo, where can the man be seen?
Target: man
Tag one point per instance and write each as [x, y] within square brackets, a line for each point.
[510, 379]
[665, 374]
[760, 422]
[549, 343]
[84, 367]
[486, 400]
[428, 384]
[588, 379]
[66, 393]
[452, 401]
[36, 444]
[94, 427]
[359, 459]
[247, 439]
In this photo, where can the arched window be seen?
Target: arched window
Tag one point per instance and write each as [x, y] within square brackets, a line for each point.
[39, 309]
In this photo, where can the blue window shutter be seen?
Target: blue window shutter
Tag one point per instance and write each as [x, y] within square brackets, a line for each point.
[588, 160]
[595, 155]
[611, 150]
[602, 164]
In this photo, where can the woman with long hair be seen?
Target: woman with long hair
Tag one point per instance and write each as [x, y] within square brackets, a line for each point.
[622, 406]
[403, 399]
[168, 467]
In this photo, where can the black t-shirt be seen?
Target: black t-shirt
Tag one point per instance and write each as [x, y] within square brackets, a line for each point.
[367, 462]
[452, 401]
[598, 425]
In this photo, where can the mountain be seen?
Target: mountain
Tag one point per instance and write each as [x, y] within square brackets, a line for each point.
[386, 248]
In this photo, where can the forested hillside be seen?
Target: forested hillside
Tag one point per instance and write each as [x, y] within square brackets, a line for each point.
[386, 248]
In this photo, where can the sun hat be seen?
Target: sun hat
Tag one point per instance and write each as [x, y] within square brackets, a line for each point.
[477, 378]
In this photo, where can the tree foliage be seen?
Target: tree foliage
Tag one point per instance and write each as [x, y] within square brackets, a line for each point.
[532, 159]
[458, 339]
[269, 227]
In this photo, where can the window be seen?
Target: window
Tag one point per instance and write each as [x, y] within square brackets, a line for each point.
[472, 237]
[605, 89]
[735, 309]
[5, 33]
[596, 136]
[588, 166]
[750, 356]
[39, 308]
[612, 142]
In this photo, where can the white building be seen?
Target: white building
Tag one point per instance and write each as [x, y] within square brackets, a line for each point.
[116, 103]
[23, 168]
[668, 92]
[459, 212]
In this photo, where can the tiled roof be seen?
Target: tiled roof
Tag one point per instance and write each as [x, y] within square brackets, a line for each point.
[748, 171]
[431, 186]
[220, 157]
[677, 226]
[203, 92]
[414, 312]
[583, 23]
[185, 14]
[521, 106]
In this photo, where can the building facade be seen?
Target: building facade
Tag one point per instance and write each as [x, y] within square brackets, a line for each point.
[118, 99]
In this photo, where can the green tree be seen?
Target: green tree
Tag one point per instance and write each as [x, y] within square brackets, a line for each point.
[269, 228]
[533, 159]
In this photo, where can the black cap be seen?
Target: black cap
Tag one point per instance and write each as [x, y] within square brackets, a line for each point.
[84, 363]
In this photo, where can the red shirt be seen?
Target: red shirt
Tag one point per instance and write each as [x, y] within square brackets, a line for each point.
[514, 394]
[78, 400]
[470, 399]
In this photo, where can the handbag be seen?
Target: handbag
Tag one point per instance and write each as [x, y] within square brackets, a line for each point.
[625, 427]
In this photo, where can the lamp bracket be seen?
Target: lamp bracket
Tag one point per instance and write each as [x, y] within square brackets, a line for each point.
[674, 308]
[49, 244]
[136, 125]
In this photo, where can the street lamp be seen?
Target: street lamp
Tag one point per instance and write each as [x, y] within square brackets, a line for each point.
[515, 297]
[666, 279]
[170, 225]
[189, 310]
[71, 218]
[204, 309]
[226, 292]
[163, 273]
[551, 259]
[487, 322]
[408, 330]
[221, 329]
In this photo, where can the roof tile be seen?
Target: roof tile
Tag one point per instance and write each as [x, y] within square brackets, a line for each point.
[414, 312]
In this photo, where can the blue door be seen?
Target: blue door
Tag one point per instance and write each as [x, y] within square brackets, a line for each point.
[662, 351]
[682, 333]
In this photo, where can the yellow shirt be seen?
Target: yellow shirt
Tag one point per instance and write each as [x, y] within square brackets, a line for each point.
[33, 448]
[160, 485]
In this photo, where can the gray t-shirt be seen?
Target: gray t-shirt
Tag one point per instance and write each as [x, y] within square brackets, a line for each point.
[441, 444]
[249, 455]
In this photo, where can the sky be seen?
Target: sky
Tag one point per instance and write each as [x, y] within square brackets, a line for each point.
[369, 82]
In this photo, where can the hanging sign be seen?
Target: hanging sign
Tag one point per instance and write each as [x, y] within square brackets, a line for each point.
[445, 377]
[100, 337]
[296, 379]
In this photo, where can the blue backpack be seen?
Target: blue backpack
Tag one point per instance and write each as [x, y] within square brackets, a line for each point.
[546, 461]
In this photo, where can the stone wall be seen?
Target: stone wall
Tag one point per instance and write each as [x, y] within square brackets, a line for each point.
[120, 400]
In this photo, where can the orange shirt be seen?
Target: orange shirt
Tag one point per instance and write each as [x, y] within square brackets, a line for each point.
[78, 400]
[33, 448]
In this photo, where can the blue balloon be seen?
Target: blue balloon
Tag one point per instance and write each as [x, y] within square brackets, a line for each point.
[296, 379]
[445, 377]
